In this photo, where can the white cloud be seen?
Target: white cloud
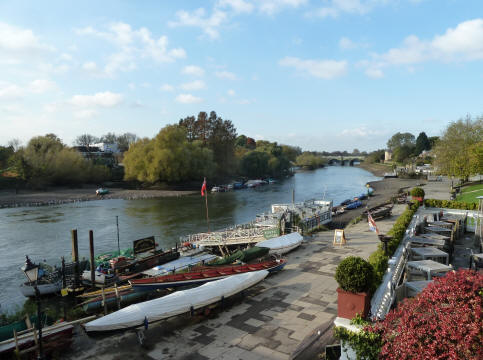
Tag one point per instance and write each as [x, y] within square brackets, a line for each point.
[194, 85]
[231, 92]
[104, 99]
[271, 7]
[238, 6]
[18, 45]
[336, 7]
[166, 87]
[225, 75]
[85, 114]
[9, 91]
[347, 44]
[324, 69]
[188, 99]
[374, 73]
[90, 66]
[462, 43]
[41, 86]
[362, 132]
[198, 18]
[133, 45]
[193, 70]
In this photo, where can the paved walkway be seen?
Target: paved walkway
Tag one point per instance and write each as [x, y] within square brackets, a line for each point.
[277, 319]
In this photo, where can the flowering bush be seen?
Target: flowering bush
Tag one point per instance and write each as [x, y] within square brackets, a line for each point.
[443, 322]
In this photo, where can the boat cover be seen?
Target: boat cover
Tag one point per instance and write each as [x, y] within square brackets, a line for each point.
[176, 303]
[244, 256]
[181, 263]
[282, 243]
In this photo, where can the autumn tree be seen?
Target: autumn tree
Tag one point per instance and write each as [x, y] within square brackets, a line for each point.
[457, 144]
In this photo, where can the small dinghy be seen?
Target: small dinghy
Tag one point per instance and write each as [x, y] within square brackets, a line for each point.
[282, 244]
[176, 303]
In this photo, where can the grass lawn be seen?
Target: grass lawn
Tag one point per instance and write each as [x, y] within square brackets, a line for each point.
[469, 193]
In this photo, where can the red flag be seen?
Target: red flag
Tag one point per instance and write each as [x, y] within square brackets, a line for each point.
[203, 188]
[372, 223]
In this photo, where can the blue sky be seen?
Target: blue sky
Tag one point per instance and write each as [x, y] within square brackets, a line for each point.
[320, 74]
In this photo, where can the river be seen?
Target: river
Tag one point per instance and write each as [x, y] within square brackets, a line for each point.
[43, 233]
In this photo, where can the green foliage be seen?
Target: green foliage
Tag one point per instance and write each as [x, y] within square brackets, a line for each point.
[403, 153]
[375, 157]
[255, 164]
[417, 192]
[217, 135]
[46, 161]
[422, 143]
[366, 345]
[354, 274]
[168, 157]
[310, 160]
[450, 204]
[379, 262]
[454, 148]
[400, 139]
[377, 259]
[6, 153]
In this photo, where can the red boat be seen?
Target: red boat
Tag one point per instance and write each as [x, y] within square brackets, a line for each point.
[203, 275]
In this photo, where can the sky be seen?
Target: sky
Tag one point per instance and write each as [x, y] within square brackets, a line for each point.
[324, 75]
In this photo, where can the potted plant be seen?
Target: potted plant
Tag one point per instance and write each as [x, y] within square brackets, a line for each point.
[417, 194]
[355, 277]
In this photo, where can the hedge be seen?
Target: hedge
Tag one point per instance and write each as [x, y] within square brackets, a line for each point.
[452, 204]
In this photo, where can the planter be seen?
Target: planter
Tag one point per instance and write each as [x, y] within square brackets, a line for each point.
[350, 304]
[419, 198]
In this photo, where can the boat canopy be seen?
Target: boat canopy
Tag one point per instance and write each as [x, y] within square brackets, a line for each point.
[291, 240]
[176, 303]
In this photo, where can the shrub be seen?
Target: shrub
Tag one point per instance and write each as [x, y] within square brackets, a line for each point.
[417, 192]
[442, 322]
[354, 274]
[379, 263]
[450, 204]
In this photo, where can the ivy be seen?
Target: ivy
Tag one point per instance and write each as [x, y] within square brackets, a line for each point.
[365, 344]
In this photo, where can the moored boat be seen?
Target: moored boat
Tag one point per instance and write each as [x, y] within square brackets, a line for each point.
[175, 304]
[203, 275]
[282, 244]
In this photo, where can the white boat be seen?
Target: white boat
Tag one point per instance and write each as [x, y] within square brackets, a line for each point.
[176, 303]
[183, 262]
[44, 289]
[99, 277]
[282, 244]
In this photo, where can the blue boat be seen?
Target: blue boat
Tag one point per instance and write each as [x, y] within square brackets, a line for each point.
[354, 205]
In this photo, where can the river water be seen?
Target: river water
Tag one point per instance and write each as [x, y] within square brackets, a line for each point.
[43, 233]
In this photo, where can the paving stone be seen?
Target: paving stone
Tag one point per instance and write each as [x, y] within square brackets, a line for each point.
[306, 316]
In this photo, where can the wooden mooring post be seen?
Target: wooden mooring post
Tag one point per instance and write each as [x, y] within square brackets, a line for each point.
[93, 264]
[75, 258]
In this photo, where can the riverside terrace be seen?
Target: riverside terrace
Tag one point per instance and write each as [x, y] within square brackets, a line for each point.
[436, 241]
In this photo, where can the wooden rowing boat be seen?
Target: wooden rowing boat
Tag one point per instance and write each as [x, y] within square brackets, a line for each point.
[203, 275]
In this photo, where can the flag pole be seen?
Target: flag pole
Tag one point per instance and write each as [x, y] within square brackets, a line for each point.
[206, 203]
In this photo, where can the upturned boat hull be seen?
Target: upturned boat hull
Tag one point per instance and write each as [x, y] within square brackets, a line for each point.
[176, 303]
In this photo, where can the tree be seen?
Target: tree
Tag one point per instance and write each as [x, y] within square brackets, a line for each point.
[15, 144]
[355, 152]
[433, 140]
[255, 164]
[168, 157]
[6, 153]
[400, 139]
[422, 143]
[453, 148]
[109, 138]
[402, 153]
[85, 140]
[125, 140]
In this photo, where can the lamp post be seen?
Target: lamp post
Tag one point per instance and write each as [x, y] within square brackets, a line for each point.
[32, 273]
